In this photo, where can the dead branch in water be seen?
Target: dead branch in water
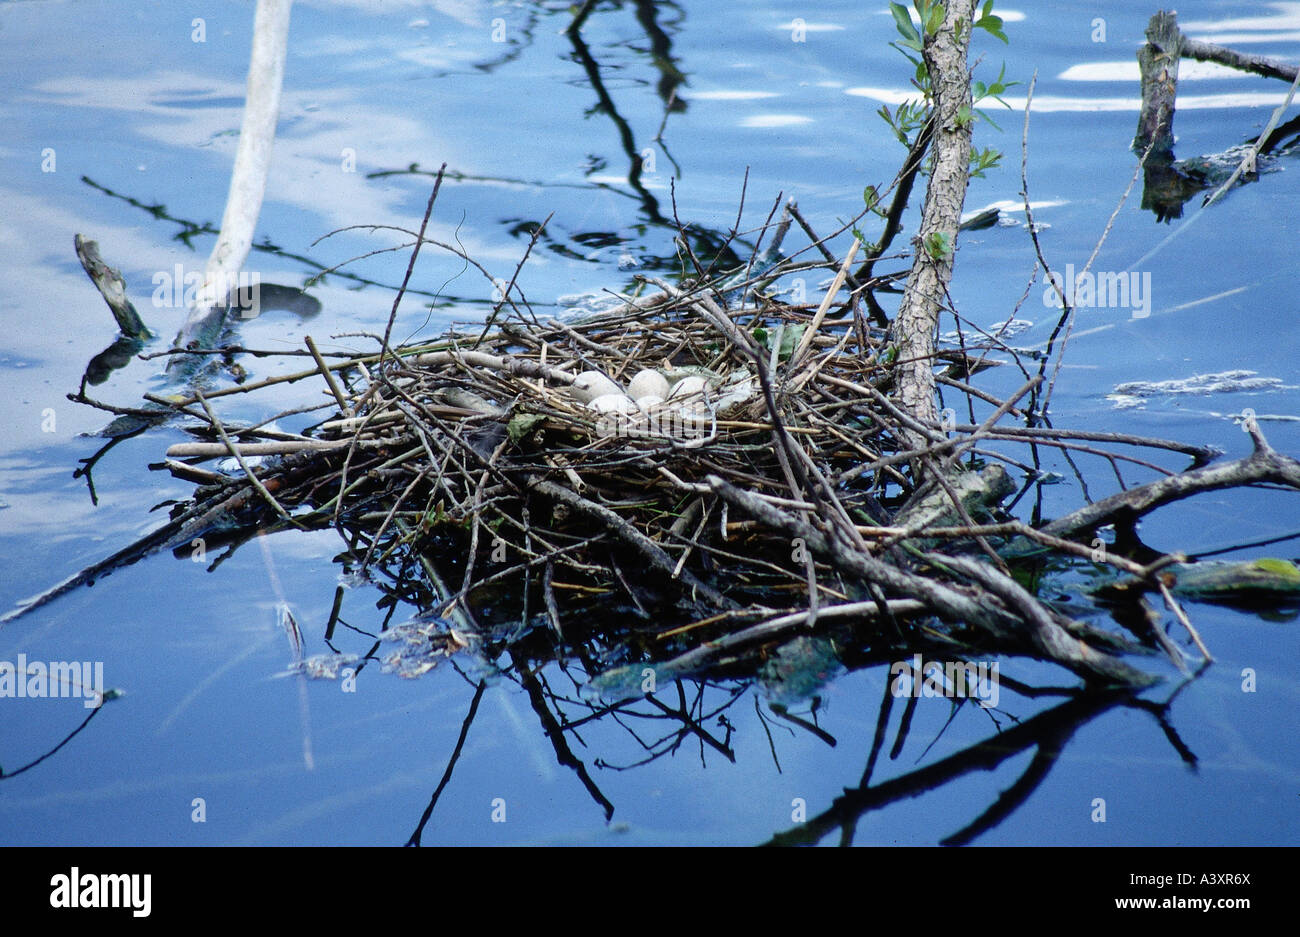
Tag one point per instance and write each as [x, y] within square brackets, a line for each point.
[1169, 183]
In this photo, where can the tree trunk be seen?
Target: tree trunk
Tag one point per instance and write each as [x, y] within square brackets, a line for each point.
[918, 315]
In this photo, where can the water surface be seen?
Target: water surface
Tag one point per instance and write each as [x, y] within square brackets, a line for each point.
[658, 102]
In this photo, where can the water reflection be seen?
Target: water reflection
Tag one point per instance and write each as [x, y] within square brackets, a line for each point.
[1046, 734]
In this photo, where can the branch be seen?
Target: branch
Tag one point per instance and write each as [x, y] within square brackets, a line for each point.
[1242, 61]
[1263, 465]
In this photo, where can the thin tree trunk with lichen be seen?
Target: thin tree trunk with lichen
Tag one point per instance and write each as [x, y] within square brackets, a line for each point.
[918, 315]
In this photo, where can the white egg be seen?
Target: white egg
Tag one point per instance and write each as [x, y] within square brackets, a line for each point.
[648, 383]
[734, 396]
[689, 387]
[589, 385]
[613, 403]
[648, 401]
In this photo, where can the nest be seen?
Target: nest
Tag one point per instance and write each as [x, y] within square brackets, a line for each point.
[693, 484]
[541, 449]
[594, 452]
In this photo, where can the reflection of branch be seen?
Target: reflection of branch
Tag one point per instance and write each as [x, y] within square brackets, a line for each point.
[88, 464]
[457, 176]
[661, 49]
[515, 48]
[580, 17]
[694, 727]
[190, 230]
[692, 717]
[1049, 731]
[451, 764]
[1016, 794]
[554, 731]
[782, 712]
[5, 775]
[878, 739]
[590, 66]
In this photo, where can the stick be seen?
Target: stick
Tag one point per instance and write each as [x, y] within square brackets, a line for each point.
[1249, 161]
[248, 473]
[112, 287]
[329, 378]
[643, 544]
[410, 265]
[836, 284]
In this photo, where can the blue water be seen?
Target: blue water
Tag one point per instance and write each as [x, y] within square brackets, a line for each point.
[117, 93]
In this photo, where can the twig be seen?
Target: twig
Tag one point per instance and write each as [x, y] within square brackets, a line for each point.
[239, 457]
[1177, 609]
[344, 407]
[410, 266]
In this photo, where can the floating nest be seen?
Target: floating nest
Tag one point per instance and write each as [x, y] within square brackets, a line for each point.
[701, 480]
[679, 481]
[593, 457]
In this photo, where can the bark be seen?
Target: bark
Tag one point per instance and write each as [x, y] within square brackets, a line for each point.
[918, 315]
[1158, 61]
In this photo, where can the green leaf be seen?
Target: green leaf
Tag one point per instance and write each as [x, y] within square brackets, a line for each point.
[938, 244]
[799, 669]
[790, 340]
[1280, 568]
[935, 19]
[903, 20]
[521, 424]
[790, 335]
[1229, 580]
[993, 26]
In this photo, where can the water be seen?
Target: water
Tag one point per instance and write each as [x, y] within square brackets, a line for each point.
[139, 122]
